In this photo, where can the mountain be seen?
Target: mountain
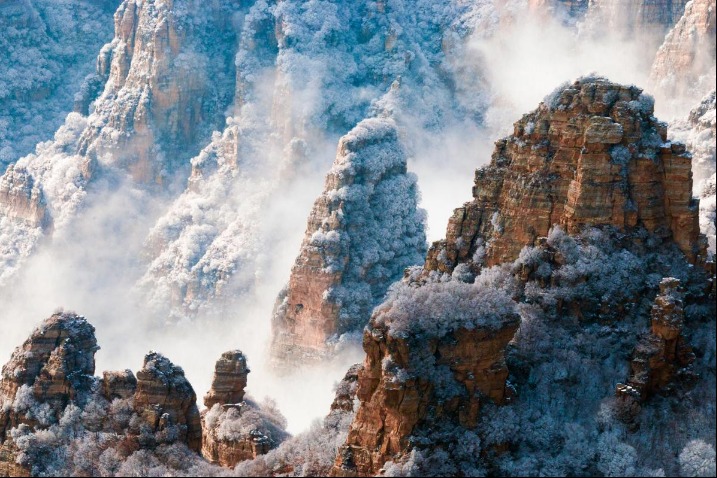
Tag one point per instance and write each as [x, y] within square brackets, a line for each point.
[260, 183]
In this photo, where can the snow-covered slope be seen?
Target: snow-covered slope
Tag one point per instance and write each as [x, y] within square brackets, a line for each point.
[49, 49]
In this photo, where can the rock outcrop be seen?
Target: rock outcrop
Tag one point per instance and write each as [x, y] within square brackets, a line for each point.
[661, 354]
[21, 199]
[363, 231]
[167, 82]
[235, 429]
[684, 67]
[230, 378]
[164, 398]
[434, 353]
[54, 367]
[49, 385]
[591, 154]
[699, 132]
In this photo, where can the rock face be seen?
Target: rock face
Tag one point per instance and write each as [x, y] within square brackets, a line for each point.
[53, 367]
[165, 398]
[158, 92]
[641, 17]
[418, 373]
[22, 200]
[167, 78]
[49, 382]
[234, 429]
[699, 132]
[230, 378]
[663, 352]
[685, 63]
[363, 231]
[591, 154]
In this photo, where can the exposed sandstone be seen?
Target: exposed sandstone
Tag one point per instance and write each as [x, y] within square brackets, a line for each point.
[591, 155]
[54, 366]
[235, 429]
[157, 93]
[413, 379]
[120, 384]
[21, 199]
[685, 63]
[165, 398]
[363, 231]
[230, 378]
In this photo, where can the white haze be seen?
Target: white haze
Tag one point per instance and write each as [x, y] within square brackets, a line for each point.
[93, 270]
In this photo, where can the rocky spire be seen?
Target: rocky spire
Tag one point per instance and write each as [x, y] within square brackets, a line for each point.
[53, 367]
[230, 378]
[363, 231]
[591, 154]
[164, 398]
[236, 429]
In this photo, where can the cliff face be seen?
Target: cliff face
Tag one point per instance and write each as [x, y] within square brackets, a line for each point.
[684, 66]
[699, 132]
[591, 154]
[49, 50]
[158, 99]
[165, 81]
[419, 372]
[643, 17]
[363, 231]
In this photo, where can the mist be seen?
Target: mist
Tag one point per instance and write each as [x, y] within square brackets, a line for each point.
[93, 267]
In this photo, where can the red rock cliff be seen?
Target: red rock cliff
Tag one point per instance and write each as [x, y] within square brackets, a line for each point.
[591, 154]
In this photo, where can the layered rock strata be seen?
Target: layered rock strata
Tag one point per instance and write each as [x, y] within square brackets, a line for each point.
[661, 354]
[418, 373]
[22, 199]
[164, 398]
[684, 66]
[230, 378]
[363, 231]
[49, 382]
[235, 429]
[54, 367]
[592, 154]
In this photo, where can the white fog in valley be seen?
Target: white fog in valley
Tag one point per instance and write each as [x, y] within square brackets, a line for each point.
[94, 266]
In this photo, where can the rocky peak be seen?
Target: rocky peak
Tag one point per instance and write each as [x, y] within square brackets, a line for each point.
[165, 398]
[158, 102]
[56, 361]
[54, 366]
[236, 429]
[591, 154]
[434, 354]
[363, 231]
[230, 378]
